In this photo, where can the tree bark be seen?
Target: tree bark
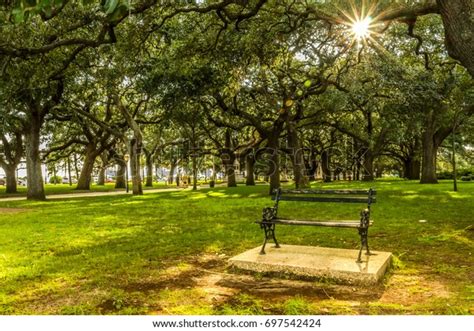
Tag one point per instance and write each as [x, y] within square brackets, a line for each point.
[104, 158]
[84, 181]
[11, 180]
[435, 130]
[297, 157]
[194, 158]
[228, 158]
[458, 21]
[412, 168]
[13, 152]
[325, 161]
[101, 178]
[171, 173]
[149, 170]
[135, 166]
[312, 167]
[428, 170]
[228, 162]
[379, 172]
[33, 160]
[68, 160]
[249, 168]
[120, 176]
[368, 166]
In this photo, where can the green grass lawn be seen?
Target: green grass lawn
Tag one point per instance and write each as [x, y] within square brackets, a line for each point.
[165, 253]
[65, 189]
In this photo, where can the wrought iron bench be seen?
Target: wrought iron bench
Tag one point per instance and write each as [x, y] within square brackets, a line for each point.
[270, 216]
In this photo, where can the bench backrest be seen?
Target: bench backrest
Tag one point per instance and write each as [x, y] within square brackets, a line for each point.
[346, 196]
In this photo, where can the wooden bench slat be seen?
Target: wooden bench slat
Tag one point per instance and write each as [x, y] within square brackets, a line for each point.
[345, 192]
[324, 199]
[332, 224]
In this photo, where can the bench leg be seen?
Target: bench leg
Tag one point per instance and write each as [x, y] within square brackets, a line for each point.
[364, 243]
[262, 251]
[277, 245]
[367, 246]
[269, 230]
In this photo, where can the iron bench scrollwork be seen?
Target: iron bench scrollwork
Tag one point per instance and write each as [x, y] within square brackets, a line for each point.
[270, 214]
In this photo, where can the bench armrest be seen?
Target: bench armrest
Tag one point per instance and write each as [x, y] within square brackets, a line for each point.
[365, 218]
[269, 213]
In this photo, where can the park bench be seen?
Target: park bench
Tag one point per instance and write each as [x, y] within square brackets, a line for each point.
[270, 216]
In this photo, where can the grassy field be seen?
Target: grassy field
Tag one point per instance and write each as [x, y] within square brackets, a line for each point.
[65, 189]
[166, 253]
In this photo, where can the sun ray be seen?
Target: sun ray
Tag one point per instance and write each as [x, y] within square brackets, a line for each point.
[361, 28]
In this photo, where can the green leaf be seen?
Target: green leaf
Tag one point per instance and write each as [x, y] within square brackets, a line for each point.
[120, 12]
[307, 83]
[18, 15]
[110, 6]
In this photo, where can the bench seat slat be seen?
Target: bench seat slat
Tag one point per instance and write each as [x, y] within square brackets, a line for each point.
[323, 199]
[345, 192]
[333, 224]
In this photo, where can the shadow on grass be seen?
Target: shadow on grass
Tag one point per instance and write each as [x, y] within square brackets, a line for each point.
[113, 248]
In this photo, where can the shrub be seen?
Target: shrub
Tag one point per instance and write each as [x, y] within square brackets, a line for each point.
[55, 179]
[444, 175]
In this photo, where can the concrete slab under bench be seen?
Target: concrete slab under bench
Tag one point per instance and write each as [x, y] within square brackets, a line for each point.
[319, 262]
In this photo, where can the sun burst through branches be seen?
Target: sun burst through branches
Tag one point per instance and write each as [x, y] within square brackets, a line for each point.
[362, 21]
[361, 28]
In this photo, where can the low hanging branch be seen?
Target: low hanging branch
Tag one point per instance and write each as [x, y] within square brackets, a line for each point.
[411, 27]
[132, 123]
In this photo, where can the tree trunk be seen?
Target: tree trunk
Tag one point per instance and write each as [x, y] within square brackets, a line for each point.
[312, 167]
[458, 24]
[194, 158]
[368, 166]
[103, 168]
[68, 160]
[249, 167]
[297, 158]
[228, 162]
[428, 170]
[135, 166]
[11, 180]
[379, 172]
[412, 168]
[120, 176]
[325, 161]
[33, 160]
[55, 175]
[171, 173]
[149, 170]
[84, 181]
[101, 179]
[228, 159]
